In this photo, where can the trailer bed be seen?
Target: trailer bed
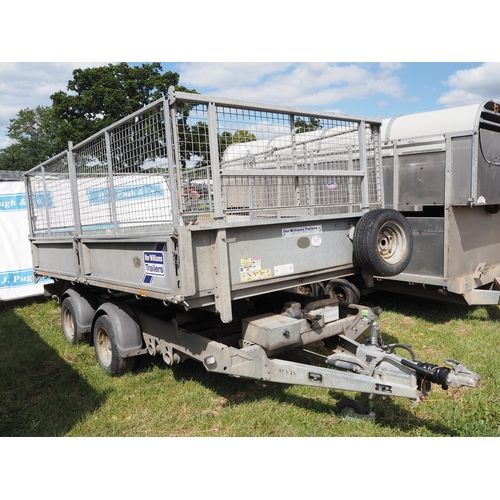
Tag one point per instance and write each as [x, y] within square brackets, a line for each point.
[199, 201]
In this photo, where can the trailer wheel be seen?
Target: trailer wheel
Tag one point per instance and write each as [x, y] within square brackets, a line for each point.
[383, 242]
[345, 291]
[350, 408]
[68, 322]
[106, 350]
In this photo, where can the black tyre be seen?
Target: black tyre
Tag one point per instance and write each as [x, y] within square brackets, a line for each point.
[345, 291]
[383, 242]
[350, 408]
[68, 322]
[105, 348]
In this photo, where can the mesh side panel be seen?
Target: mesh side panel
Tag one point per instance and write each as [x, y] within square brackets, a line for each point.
[254, 163]
[266, 143]
[291, 196]
[49, 191]
[126, 188]
[195, 177]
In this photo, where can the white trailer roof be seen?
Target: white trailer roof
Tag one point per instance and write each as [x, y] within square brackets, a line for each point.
[432, 123]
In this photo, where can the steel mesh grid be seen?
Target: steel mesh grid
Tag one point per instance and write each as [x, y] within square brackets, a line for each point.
[267, 141]
[139, 143]
[138, 188]
[91, 167]
[272, 141]
[373, 168]
[50, 199]
[197, 193]
[193, 153]
[193, 146]
[258, 139]
[301, 195]
[134, 171]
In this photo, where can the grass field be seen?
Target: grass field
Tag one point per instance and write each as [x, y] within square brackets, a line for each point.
[50, 388]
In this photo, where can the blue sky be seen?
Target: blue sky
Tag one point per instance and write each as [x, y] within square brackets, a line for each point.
[368, 89]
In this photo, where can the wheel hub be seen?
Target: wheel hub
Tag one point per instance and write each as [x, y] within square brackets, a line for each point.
[391, 243]
[104, 346]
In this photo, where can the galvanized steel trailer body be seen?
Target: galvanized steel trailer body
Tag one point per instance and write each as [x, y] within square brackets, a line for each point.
[442, 170]
[215, 208]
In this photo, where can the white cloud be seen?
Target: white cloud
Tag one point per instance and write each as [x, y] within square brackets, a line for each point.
[28, 85]
[316, 84]
[473, 85]
[224, 75]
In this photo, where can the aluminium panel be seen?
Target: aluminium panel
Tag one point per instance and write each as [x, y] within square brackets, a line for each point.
[60, 258]
[461, 170]
[474, 239]
[488, 178]
[139, 265]
[281, 251]
[421, 179]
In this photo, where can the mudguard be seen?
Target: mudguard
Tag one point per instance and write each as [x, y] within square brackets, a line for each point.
[85, 306]
[128, 333]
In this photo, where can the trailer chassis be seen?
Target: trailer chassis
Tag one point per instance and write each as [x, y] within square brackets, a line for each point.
[252, 347]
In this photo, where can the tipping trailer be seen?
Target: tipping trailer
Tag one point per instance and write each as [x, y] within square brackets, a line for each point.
[441, 169]
[185, 229]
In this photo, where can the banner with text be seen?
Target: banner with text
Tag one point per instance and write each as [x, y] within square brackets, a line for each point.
[16, 267]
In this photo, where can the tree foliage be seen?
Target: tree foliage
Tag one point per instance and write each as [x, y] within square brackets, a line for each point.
[243, 136]
[302, 125]
[100, 96]
[34, 133]
[95, 98]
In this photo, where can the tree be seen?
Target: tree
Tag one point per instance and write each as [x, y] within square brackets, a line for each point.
[34, 133]
[302, 126]
[225, 140]
[101, 96]
[96, 98]
[243, 136]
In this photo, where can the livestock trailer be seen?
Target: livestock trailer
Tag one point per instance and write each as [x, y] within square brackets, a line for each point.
[441, 169]
[185, 229]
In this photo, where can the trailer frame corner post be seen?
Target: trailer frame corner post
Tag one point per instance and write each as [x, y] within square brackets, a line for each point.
[365, 190]
[182, 236]
[376, 133]
[29, 208]
[31, 235]
[78, 246]
[214, 161]
[447, 201]
[73, 181]
[395, 177]
[112, 197]
[222, 273]
[173, 165]
[474, 167]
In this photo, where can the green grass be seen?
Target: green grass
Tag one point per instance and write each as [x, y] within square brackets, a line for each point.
[50, 388]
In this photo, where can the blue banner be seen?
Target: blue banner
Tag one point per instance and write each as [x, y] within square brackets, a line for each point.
[124, 193]
[17, 278]
[15, 201]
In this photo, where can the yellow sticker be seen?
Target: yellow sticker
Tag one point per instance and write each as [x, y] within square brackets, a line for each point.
[260, 274]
